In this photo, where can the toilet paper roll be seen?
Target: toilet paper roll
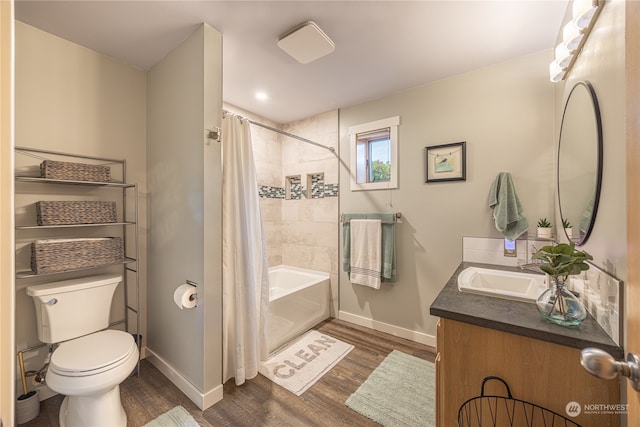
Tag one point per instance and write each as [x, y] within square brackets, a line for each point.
[185, 296]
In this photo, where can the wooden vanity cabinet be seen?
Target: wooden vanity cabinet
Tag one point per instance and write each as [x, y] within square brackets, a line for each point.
[540, 372]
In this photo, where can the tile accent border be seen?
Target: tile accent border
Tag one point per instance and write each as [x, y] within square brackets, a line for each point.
[298, 192]
[316, 182]
[296, 188]
[331, 190]
[269, 192]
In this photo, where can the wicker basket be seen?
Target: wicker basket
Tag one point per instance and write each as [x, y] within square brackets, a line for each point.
[56, 255]
[51, 169]
[75, 212]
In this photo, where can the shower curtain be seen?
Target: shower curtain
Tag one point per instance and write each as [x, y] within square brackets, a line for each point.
[245, 268]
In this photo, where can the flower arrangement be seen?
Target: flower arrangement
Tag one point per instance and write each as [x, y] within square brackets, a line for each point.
[557, 304]
[562, 260]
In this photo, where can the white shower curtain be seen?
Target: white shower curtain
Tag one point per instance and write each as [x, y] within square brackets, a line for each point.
[244, 260]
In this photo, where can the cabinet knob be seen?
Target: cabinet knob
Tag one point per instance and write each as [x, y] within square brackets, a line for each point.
[601, 364]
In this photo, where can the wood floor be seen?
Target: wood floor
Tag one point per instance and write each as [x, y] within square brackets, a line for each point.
[259, 402]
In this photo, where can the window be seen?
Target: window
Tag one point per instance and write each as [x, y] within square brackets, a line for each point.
[373, 156]
[374, 148]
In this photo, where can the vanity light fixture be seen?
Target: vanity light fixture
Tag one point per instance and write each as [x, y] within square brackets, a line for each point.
[574, 35]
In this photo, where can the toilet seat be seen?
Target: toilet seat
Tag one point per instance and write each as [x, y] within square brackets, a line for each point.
[92, 354]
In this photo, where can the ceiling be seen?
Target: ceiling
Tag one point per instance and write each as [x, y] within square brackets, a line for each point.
[382, 47]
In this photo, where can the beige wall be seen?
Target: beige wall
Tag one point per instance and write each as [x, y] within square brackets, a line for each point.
[7, 296]
[74, 100]
[185, 217]
[505, 114]
[602, 62]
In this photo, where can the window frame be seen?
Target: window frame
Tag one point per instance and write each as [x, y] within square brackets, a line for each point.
[392, 123]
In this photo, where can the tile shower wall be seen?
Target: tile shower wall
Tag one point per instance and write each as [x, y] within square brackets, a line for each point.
[301, 231]
[310, 223]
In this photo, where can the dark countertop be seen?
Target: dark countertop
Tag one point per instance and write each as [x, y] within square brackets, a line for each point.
[520, 318]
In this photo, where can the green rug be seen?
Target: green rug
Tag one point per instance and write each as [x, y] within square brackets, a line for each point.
[399, 392]
[176, 417]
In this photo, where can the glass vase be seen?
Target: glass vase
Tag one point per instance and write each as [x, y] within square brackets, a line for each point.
[560, 306]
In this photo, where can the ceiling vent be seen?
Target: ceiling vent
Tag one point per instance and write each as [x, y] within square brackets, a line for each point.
[306, 43]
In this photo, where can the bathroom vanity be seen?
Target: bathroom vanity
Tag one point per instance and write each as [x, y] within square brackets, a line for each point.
[480, 336]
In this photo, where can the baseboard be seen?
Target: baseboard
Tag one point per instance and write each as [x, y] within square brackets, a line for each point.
[397, 331]
[202, 401]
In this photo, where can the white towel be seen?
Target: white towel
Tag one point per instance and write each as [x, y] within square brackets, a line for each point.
[366, 251]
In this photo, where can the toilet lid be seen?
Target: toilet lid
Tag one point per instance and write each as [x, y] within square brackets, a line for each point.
[90, 353]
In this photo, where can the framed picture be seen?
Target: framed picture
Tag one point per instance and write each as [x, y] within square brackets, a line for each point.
[446, 162]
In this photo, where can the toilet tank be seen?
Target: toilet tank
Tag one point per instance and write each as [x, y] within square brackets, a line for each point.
[71, 308]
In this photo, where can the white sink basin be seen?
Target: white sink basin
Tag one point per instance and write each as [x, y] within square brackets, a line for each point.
[502, 284]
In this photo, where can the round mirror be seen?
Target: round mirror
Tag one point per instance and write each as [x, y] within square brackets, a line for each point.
[580, 163]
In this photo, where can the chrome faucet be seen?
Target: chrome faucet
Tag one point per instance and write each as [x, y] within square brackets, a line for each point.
[532, 266]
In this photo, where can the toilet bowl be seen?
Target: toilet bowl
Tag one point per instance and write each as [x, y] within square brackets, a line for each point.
[90, 360]
[89, 370]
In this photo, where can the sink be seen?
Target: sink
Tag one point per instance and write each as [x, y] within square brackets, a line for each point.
[502, 284]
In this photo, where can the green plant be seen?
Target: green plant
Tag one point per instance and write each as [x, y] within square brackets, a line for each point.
[566, 223]
[561, 260]
[380, 171]
[543, 223]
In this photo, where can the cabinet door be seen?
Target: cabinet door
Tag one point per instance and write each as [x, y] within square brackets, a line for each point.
[539, 372]
[439, 385]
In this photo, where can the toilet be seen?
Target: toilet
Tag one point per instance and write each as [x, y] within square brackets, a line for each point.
[90, 361]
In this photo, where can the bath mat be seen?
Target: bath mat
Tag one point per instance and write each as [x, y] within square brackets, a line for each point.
[176, 417]
[304, 361]
[399, 392]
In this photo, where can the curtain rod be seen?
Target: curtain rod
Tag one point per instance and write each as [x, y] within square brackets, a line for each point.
[290, 135]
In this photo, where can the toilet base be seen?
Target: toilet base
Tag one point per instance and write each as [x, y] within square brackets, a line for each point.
[96, 410]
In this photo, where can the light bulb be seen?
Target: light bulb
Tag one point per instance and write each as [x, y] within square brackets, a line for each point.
[563, 55]
[583, 11]
[556, 72]
[571, 36]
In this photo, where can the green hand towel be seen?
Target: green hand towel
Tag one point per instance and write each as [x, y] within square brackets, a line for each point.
[507, 210]
[388, 243]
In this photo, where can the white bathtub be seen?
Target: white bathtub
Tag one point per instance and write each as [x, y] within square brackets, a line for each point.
[298, 300]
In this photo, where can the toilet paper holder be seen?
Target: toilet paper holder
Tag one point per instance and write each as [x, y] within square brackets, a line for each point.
[186, 295]
[195, 285]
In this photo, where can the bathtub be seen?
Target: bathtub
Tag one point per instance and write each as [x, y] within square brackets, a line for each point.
[298, 300]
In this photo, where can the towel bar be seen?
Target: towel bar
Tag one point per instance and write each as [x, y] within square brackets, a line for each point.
[396, 216]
